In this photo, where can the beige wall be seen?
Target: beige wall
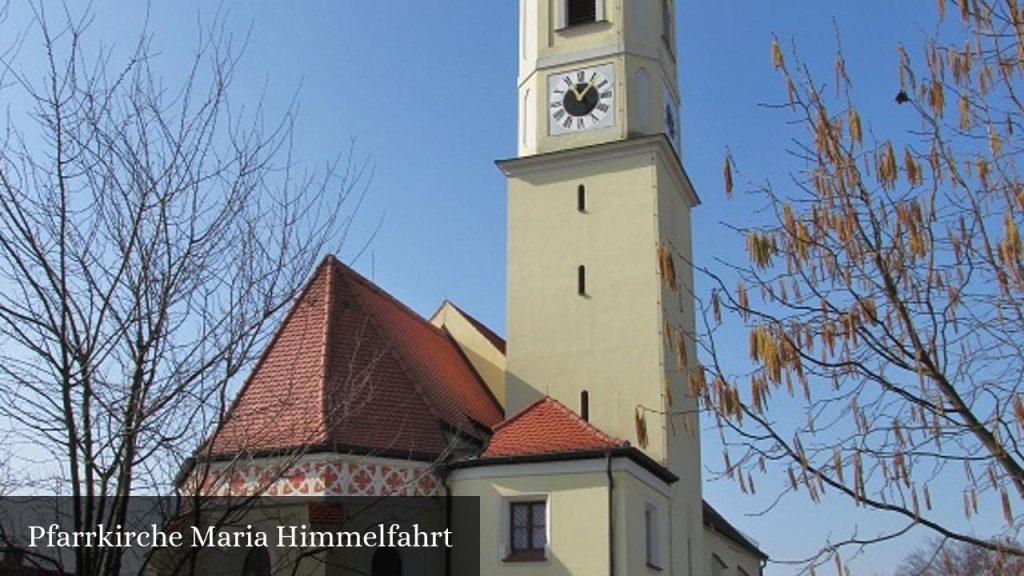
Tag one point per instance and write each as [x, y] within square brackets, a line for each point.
[488, 361]
[605, 341]
[732, 556]
[577, 496]
[610, 341]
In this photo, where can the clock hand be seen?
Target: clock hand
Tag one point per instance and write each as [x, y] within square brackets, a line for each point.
[580, 95]
[575, 92]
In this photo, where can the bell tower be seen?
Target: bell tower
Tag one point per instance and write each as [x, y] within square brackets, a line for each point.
[594, 71]
[600, 310]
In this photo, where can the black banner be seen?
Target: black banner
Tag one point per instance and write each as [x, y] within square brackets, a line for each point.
[250, 536]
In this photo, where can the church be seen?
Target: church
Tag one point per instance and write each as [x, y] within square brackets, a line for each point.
[578, 432]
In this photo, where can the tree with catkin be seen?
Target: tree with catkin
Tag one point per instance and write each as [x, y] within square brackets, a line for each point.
[883, 299]
[944, 558]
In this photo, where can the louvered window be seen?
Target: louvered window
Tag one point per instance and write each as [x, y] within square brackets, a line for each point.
[580, 12]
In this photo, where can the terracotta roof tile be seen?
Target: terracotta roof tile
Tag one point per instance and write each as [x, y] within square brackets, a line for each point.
[544, 427]
[353, 367]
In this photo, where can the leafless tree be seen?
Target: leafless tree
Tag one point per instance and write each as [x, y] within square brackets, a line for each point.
[883, 300]
[939, 558]
[150, 235]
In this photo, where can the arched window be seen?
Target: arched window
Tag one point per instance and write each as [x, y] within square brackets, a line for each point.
[386, 562]
[257, 563]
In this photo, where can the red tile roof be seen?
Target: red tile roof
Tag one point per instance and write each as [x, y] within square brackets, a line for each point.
[545, 427]
[351, 367]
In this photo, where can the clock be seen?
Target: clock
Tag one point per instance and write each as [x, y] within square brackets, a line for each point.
[582, 99]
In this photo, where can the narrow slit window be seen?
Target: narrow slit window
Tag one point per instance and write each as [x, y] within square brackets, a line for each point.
[652, 537]
[581, 280]
[581, 198]
[580, 12]
[585, 405]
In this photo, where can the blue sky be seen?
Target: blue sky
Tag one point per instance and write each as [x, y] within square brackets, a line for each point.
[427, 92]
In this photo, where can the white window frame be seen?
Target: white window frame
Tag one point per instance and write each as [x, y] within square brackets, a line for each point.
[505, 523]
[562, 13]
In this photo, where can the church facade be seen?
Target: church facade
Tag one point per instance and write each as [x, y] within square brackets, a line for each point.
[578, 433]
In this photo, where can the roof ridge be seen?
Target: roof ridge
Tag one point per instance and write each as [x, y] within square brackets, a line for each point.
[278, 331]
[508, 421]
[547, 426]
[377, 289]
[483, 329]
[388, 348]
[565, 410]
[472, 369]
[587, 424]
[328, 341]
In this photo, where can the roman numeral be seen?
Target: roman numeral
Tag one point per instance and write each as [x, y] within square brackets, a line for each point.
[568, 122]
[602, 107]
[579, 123]
[558, 115]
[603, 83]
[606, 94]
[580, 76]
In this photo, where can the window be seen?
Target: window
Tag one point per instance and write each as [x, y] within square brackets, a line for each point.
[570, 13]
[651, 535]
[528, 530]
[581, 198]
[581, 280]
[580, 12]
[585, 406]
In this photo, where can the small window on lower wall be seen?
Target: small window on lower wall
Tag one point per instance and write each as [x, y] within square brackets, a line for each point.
[528, 531]
[652, 537]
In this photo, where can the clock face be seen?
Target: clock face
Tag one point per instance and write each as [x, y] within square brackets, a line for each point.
[581, 99]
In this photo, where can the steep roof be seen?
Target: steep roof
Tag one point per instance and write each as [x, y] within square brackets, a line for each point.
[353, 368]
[545, 427]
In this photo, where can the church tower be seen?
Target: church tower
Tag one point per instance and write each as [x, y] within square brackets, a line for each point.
[600, 309]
